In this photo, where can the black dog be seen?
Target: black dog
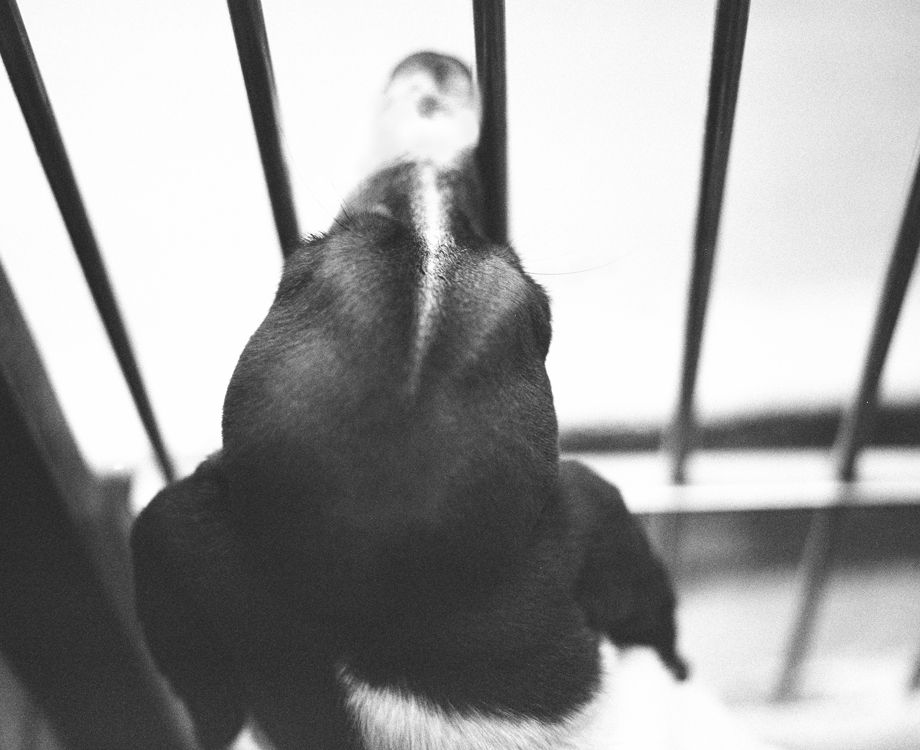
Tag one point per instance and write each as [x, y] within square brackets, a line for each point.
[387, 551]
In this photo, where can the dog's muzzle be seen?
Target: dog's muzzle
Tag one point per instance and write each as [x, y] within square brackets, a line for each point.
[429, 112]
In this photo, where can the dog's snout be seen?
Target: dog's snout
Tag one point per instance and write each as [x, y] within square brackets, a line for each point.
[430, 111]
[448, 76]
[432, 84]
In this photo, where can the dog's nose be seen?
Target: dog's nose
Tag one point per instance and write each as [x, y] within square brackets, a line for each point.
[438, 83]
[430, 111]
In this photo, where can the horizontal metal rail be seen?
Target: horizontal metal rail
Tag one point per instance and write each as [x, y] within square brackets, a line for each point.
[259, 77]
[725, 74]
[894, 425]
[827, 525]
[36, 108]
[492, 153]
[753, 481]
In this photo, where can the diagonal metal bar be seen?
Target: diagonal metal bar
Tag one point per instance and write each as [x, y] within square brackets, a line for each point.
[827, 525]
[858, 420]
[492, 153]
[725, 74]
[27, 83]
[67, 627]
[259, 77]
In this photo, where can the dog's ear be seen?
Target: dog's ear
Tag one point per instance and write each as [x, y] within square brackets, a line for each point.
[623, 588]
[174, 542]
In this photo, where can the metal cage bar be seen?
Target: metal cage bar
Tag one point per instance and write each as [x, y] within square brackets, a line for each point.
[725, 74]
[67, 627]
[259, 77]
[492, 153]
[27, 83]
[827, 525]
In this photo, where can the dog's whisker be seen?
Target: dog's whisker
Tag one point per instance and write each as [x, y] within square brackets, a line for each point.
[589, 269]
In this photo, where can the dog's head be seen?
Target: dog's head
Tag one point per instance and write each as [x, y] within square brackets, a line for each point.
[394, 407]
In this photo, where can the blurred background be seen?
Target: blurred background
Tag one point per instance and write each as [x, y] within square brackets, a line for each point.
[606, 118]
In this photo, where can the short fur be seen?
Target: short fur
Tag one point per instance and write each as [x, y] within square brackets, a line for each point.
[388, 510]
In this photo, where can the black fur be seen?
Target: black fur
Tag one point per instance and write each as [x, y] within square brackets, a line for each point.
[424, 534]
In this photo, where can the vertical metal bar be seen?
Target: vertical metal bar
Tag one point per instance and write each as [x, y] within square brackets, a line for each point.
[857, 422]
[828, 524]
[67, 626]
[36, 109]
[259, 77]
[492, 153]
[914, 683]
[824, 533]
[725, 74]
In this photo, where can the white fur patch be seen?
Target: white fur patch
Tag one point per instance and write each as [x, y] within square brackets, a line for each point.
[251, 738]
[638, 707]
[389, 719]
[429, 216]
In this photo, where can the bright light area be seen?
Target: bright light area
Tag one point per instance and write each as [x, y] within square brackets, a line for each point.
[606, 118]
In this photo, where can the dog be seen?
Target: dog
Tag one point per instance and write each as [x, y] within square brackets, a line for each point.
[387, 551]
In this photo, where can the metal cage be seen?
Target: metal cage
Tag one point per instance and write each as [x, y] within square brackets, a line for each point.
[67, 629]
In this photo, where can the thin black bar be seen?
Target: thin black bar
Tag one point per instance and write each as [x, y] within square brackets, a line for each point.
[259, 77]
[36, 108]
[725, 74]
[492, 153]
[859, 419]
[827, 525]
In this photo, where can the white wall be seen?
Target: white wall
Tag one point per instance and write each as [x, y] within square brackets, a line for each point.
[606, 117]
